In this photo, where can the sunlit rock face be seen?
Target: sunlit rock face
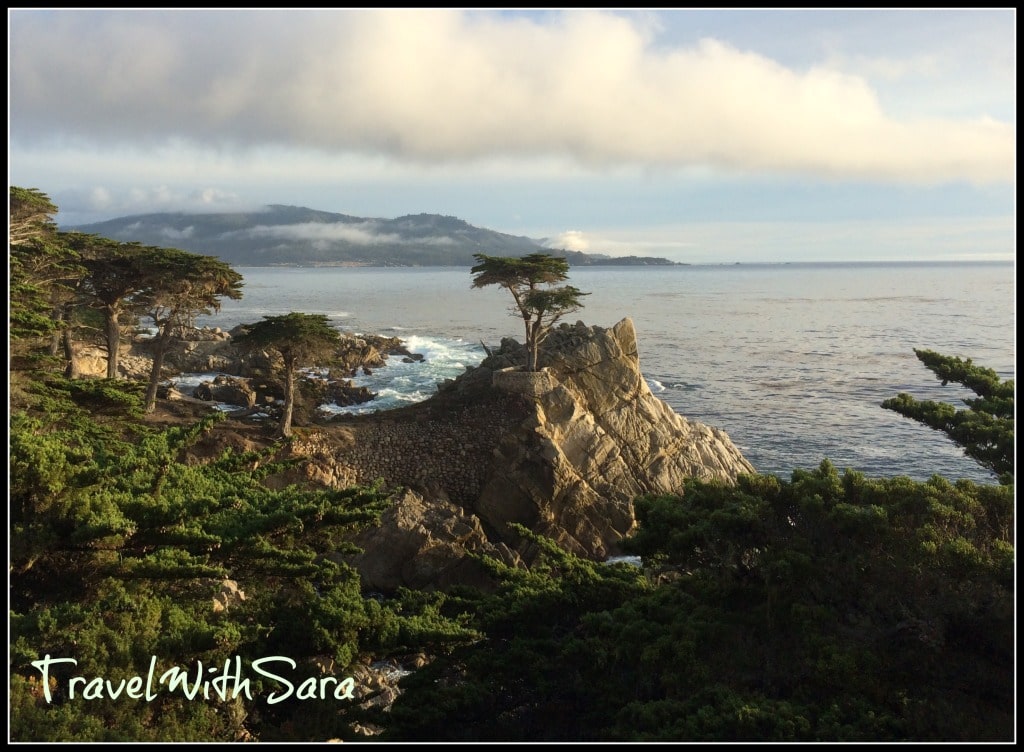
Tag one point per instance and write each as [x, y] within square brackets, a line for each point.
[597, 439]
[563, 452]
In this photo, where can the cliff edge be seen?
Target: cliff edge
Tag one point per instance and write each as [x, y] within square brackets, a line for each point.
[563, 451]
[596, 439]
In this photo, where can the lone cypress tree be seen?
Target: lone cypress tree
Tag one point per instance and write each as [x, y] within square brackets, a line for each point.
[529, 279]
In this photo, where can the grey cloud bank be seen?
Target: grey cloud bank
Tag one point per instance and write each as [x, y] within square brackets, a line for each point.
[835, 134]
[448, 85]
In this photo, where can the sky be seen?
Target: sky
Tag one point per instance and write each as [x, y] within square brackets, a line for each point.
[702, 136]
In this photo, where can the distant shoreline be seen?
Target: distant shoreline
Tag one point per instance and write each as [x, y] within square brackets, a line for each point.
[367, 265]
[658, 265]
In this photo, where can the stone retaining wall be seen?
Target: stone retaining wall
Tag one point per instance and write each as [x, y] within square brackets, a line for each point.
[529, 383]
[452, 453]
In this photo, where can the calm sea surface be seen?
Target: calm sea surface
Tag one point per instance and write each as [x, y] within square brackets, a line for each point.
[791, 360]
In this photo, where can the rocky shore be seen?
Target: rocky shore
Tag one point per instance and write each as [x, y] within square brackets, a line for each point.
[564, 451]
[243, 381]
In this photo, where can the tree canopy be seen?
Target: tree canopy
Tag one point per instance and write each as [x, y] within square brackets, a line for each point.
[122, 547]
[985, 429]
[530, 280]
[114, 273]
[42, 270]
[31, 215]
[180, 286]
[300, 339]
[56, 276]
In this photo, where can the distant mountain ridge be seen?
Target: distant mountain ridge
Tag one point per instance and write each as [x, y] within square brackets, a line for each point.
[296, 236]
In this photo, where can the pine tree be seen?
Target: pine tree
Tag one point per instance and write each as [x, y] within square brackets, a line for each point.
[985, 428]
[301, 339]
[529, 280]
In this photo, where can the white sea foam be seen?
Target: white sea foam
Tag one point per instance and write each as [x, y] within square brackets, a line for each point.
[635, 561]
[655, 385]
[224, 407]
[400, 383]
[186, 382]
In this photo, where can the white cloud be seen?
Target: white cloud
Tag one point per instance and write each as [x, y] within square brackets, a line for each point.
[454, 86]
[324, 234]
[570, 240]
[109, 201]
[174, 234]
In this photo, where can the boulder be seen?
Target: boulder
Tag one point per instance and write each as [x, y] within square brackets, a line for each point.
[227, 389]
[425, 544]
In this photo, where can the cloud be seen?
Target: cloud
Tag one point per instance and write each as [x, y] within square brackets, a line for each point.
[138, 200]
[322, 235]
[570, 240]
[172, 233]
[443, 86]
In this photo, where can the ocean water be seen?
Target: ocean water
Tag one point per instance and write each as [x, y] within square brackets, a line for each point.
[791, 360]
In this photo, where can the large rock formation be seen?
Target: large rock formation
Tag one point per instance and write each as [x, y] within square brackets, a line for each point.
[564, 451]
[598, 439]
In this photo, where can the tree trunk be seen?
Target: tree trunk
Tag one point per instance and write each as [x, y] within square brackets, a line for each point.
[58, 317]
[113, 332]
[289, 398]
[533, 346]
[528, 342]
[531, 358]
[159, 348]
[70, 363]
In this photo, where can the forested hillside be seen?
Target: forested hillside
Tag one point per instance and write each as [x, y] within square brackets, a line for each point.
[295, 235]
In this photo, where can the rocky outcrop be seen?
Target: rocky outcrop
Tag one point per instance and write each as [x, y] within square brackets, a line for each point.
[598, 439]
[564, 452]
[423, 544]
[227, 389]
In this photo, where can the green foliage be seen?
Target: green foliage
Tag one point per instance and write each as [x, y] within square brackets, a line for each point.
[54, 273]
[519, 274]
[301, 339]
[298, 337]
[31, 215]
[534, 676]
[40, 272]
[119, 551]
[180, 286]
[539, 307]
[827, 608]
[985, 428]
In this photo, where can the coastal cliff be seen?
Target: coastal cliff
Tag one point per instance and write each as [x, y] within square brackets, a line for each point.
[563, 451]
[596, 439]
